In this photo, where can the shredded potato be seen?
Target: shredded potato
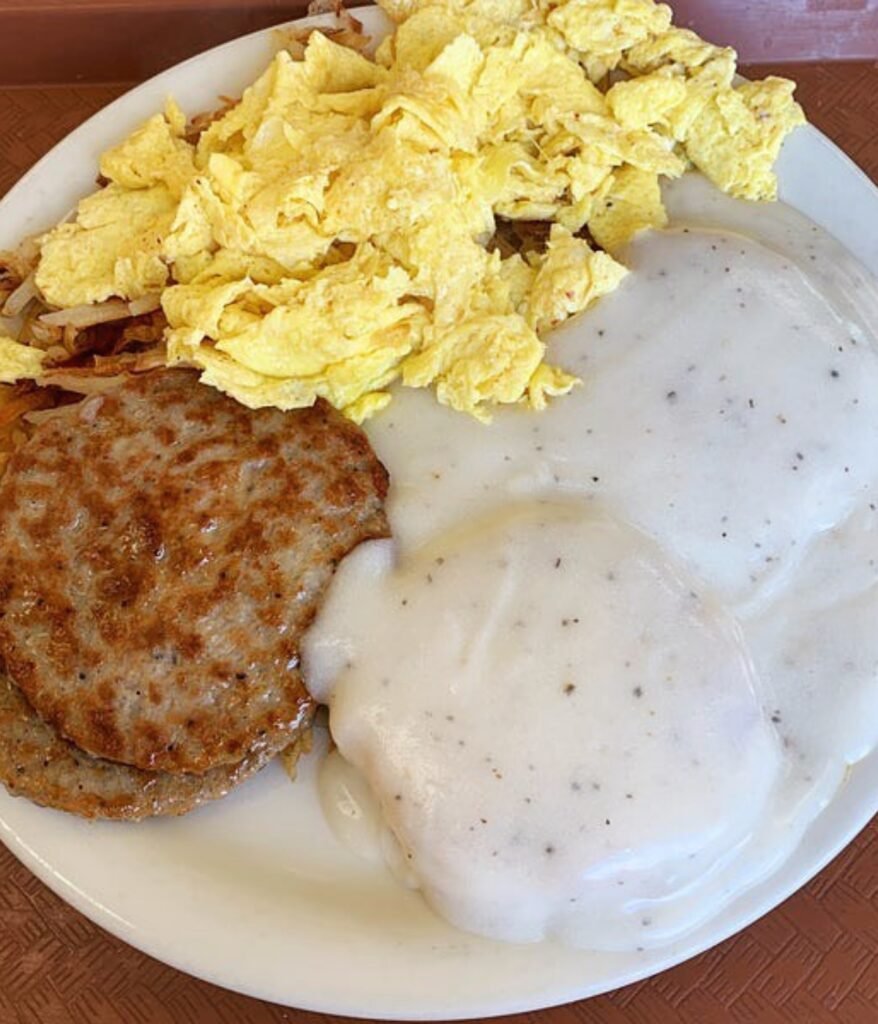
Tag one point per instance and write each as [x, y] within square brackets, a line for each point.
[16, 403]
[79, 317]
[346, 32]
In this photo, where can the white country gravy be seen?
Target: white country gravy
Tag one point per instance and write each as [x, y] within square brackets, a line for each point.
[621, 652]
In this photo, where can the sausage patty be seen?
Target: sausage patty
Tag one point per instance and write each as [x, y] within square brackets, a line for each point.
[162, 550]
[36, 763]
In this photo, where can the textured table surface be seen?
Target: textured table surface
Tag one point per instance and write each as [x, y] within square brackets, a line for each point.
[813, 960]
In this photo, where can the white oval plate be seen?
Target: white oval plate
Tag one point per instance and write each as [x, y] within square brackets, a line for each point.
[254, 893]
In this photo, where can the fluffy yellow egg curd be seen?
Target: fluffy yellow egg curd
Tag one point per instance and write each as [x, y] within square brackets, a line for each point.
[336, 230]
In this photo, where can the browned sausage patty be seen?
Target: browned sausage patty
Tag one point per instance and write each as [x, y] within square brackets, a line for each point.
[162, 550]
[36, 763]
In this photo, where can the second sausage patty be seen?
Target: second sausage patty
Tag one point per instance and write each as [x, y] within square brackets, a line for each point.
[36, 763]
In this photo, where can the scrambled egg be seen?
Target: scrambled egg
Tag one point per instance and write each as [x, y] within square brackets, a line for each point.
[330, 233]
[18, 362]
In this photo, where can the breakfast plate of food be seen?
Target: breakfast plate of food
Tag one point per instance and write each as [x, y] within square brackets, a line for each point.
[439, 459]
